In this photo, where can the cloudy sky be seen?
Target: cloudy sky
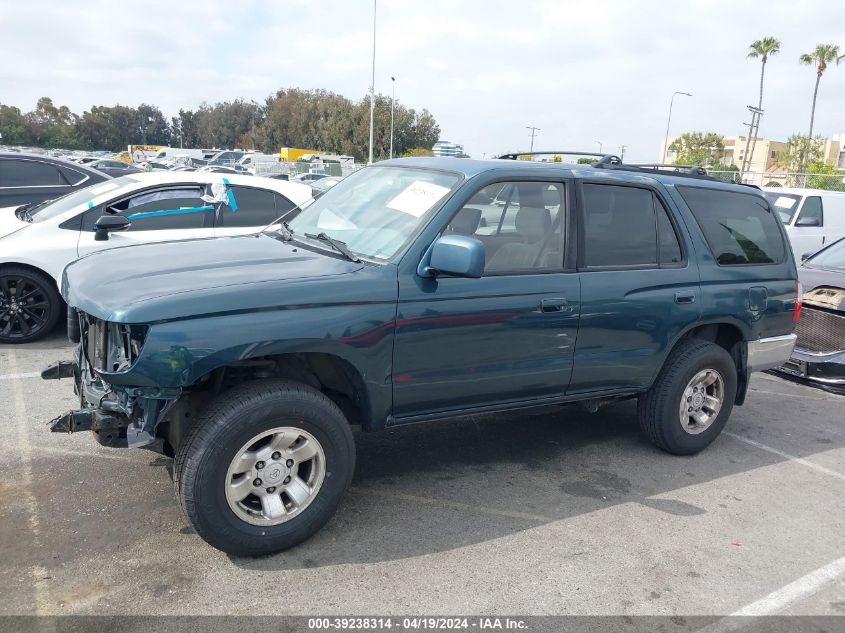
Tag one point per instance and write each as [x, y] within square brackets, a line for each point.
[582, 72]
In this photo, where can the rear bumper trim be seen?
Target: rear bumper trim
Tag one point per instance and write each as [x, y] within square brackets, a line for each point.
[768, 353]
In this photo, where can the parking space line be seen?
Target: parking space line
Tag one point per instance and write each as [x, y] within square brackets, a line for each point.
[780, 599]
[25, 450]
[793, 458]
[29, 374]
[455, 505]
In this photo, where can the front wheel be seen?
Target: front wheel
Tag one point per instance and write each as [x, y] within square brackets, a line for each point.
[690, 402]
[29, 305]
[264, 467]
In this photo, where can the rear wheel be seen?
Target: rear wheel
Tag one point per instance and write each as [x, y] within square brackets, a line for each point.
[264, 467]
[29, 305]
[692, 398]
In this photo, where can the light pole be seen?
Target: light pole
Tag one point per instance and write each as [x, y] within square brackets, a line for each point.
[373, 87]
[599, 142]
[392, 101]
[669, 120]
[254, 108]
[534, 131]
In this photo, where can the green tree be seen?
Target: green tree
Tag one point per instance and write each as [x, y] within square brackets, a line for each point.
[824, 176]
[761, 49]
[823, 55]
[13, 126]
[418, 151]
[801, 150]
[702, 149]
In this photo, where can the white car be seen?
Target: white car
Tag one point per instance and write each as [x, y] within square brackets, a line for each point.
[37, 242]
[813, 218]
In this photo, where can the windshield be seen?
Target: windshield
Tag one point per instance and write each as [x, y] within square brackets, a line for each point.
[57, 207]
[786, 204]
[377, 209]
[831, 257]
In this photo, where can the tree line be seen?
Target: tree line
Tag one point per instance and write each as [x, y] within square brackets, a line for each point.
[311, 119]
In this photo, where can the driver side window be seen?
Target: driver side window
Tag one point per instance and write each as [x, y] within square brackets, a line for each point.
[520, 224]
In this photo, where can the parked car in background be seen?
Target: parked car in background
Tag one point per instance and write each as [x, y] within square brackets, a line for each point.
[813, 218]
[381, 304]
[253, 160]
[322, 185]
[176, 152]
[819, 355]
[34, 178]
[37, 243]
[113, 167]
[226, 158]
[310, 177]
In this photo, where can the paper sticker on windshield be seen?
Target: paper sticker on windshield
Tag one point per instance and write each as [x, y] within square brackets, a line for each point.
[418, 198]
[784, 203]
[103, 188]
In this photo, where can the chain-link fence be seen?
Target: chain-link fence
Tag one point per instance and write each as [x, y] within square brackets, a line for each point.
[298, 168]
[830, 182]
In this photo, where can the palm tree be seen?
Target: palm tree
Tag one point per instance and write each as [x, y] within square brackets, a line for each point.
[761, 49]
[821, 57]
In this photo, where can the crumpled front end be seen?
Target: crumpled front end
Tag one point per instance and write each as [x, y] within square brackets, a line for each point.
[120, 416]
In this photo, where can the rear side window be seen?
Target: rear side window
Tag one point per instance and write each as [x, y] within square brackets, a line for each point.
[256, 207]
[739, 227]
[29, 173]
[619, 226]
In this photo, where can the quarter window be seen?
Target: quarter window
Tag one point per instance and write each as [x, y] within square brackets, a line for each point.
[738, 227]
[29, 173]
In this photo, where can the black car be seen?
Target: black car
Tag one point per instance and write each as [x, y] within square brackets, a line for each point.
[113, 167]
[819, 355]
[32, 178]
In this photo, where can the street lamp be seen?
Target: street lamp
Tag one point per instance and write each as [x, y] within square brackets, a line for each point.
[599, 142]
[392, 100]
[373, 87]
[666, 140]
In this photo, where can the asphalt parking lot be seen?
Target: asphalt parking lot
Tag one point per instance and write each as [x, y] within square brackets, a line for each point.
[550, 513]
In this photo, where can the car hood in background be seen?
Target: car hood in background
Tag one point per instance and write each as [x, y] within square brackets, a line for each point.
[203, 277]
[9, 222]
[813, 277]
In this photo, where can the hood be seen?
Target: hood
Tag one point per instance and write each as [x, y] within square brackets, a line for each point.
[831, 279]
[203, 277]
[9, 222]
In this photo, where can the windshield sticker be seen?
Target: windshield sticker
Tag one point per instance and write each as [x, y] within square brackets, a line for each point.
[103, 188]
[418, 198]
[784, 203]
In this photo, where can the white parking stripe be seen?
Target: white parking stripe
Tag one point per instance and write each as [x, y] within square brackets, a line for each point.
[25, 450]
[29, 374]
[781, 599]
[799, 460]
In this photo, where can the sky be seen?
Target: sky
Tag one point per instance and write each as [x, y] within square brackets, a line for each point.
[585, 72]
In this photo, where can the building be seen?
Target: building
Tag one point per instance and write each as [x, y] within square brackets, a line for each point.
[767, 155]
[445, 148]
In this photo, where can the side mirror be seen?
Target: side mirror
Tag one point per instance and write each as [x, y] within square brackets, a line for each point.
[456, 255]
[807, 221]
[805, 257]
[109, 223]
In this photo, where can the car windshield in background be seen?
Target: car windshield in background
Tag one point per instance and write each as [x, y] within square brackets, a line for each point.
[786, 204]
[64, 204]
[376, 210]
[831, 257]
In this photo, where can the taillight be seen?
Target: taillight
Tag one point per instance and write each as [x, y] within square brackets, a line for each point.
[799, 301]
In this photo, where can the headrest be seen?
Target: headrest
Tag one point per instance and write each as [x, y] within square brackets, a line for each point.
[466, 221]
[533, 223]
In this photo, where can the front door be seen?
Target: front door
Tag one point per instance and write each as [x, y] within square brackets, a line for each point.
[176, 212]
[506, 337]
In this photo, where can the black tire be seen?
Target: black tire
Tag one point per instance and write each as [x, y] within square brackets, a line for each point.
[205, 453]
[659, 408]
[40, 312]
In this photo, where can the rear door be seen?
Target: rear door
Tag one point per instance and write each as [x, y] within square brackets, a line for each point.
[639, 285]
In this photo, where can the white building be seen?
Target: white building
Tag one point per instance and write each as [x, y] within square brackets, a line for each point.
[445, 148]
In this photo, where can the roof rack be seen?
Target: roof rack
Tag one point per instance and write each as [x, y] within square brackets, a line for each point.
[611, 158]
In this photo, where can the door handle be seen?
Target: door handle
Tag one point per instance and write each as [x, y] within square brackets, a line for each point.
[685, 297]
[553, 305]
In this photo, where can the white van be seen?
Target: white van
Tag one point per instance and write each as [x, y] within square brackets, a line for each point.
[813, 217]
[173, 152]
[251, 160]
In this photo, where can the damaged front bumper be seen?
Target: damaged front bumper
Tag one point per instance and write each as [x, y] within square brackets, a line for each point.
[119, 417]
